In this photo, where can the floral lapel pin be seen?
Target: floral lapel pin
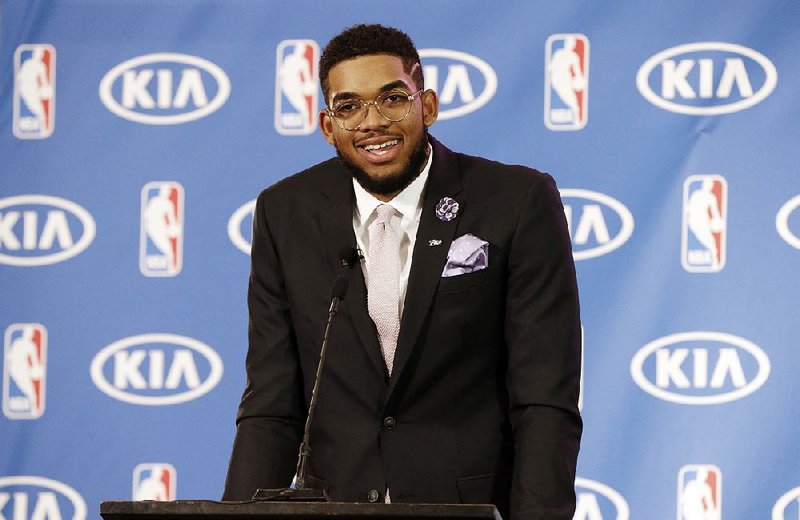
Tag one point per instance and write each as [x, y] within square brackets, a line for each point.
[446, 209]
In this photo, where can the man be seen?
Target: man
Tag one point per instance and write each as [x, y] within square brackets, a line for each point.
[453, 369]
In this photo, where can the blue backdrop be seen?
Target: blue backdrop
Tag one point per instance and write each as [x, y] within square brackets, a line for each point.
[134, 137]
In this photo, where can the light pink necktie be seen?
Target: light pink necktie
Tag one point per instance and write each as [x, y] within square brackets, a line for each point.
[383, 285]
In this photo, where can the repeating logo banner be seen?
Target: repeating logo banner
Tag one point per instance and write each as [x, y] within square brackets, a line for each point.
[700, 368]
[296, 87]
[34, 91]
[24, 371]
[685, 92]
[699, 492]
[463, 82]
[704, 224]
[598, 223]
[154, 481]
[161, 230]
[164, 88]
[706, 78]
[40, 230]
[566, 82]
[23, 497]
[156, 369]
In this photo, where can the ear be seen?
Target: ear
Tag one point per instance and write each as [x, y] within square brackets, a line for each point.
[326, 125]
[430, 107]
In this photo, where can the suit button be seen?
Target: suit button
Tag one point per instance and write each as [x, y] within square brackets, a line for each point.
[389, 423]
[373, 495]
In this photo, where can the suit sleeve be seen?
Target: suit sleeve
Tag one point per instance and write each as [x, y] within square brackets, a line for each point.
[543, 335]
[272, 410]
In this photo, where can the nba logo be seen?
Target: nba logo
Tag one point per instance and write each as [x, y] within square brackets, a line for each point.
[699, 492]
[296, 87]
[24, 370]
[154, 481]
[34, 91]
[566, 82]
[705, 215]
[161, 243]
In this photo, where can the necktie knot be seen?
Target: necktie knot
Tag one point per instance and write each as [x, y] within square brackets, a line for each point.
[384, 213]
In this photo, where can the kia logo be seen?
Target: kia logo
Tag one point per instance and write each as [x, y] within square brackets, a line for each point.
[780, 508]
[39, 497]
[164, 89]
[706, 78]
[598, 224]
[156, 369]
[40, 229]
[243, 215]
[699, 368]
[463, 82]
[595, 500]
[782, 222]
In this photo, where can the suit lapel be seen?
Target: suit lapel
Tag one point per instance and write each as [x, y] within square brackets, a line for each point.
[428, 260]
[336, 221]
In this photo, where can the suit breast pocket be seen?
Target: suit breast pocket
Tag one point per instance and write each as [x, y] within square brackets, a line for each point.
[465, 281]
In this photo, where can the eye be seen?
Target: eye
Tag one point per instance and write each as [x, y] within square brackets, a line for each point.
[346, 108]
[395, 98]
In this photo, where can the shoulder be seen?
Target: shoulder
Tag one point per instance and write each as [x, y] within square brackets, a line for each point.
[292, 198]
[313, 180]
[488, 173]
[500, 184]
[505, 176]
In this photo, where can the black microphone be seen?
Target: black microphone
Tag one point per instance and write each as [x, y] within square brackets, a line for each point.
[349, 256]
[338, 292]
[298, 490]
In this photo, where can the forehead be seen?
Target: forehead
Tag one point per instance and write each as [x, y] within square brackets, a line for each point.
[366, 75]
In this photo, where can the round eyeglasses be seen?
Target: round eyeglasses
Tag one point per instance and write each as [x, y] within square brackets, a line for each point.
[394, 105]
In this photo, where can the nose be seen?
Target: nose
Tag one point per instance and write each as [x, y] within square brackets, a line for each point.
[373, 119]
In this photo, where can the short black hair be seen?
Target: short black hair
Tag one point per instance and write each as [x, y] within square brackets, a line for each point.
[365, 40]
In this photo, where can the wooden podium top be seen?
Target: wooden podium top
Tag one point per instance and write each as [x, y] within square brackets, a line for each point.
[211, 510]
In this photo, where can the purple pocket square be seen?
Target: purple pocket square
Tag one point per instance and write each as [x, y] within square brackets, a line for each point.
[467, 253]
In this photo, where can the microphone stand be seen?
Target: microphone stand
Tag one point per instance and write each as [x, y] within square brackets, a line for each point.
[298, 489]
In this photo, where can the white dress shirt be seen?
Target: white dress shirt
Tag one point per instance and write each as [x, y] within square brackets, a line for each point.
[408, 204]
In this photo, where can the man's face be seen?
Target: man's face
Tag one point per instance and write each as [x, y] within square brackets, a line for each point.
[383, 171]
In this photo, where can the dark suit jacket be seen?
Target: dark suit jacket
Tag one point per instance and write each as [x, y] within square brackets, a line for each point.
[484, 390]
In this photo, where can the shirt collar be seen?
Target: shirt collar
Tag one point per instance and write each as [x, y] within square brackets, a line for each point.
[407, 202]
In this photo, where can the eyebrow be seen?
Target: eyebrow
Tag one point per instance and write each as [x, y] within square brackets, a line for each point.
[398, 84]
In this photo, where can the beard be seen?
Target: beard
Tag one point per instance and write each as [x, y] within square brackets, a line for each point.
[396, 182]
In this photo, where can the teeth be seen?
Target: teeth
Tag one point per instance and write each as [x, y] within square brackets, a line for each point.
[371, 147]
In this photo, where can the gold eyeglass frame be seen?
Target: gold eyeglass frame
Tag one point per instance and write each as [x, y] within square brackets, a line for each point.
[366, 104]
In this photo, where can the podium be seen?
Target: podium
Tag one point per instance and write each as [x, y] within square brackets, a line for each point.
[251, 510]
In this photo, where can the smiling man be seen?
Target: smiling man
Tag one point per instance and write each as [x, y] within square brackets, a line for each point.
[453, 370]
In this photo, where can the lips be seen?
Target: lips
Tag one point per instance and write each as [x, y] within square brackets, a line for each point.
[379, 150]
